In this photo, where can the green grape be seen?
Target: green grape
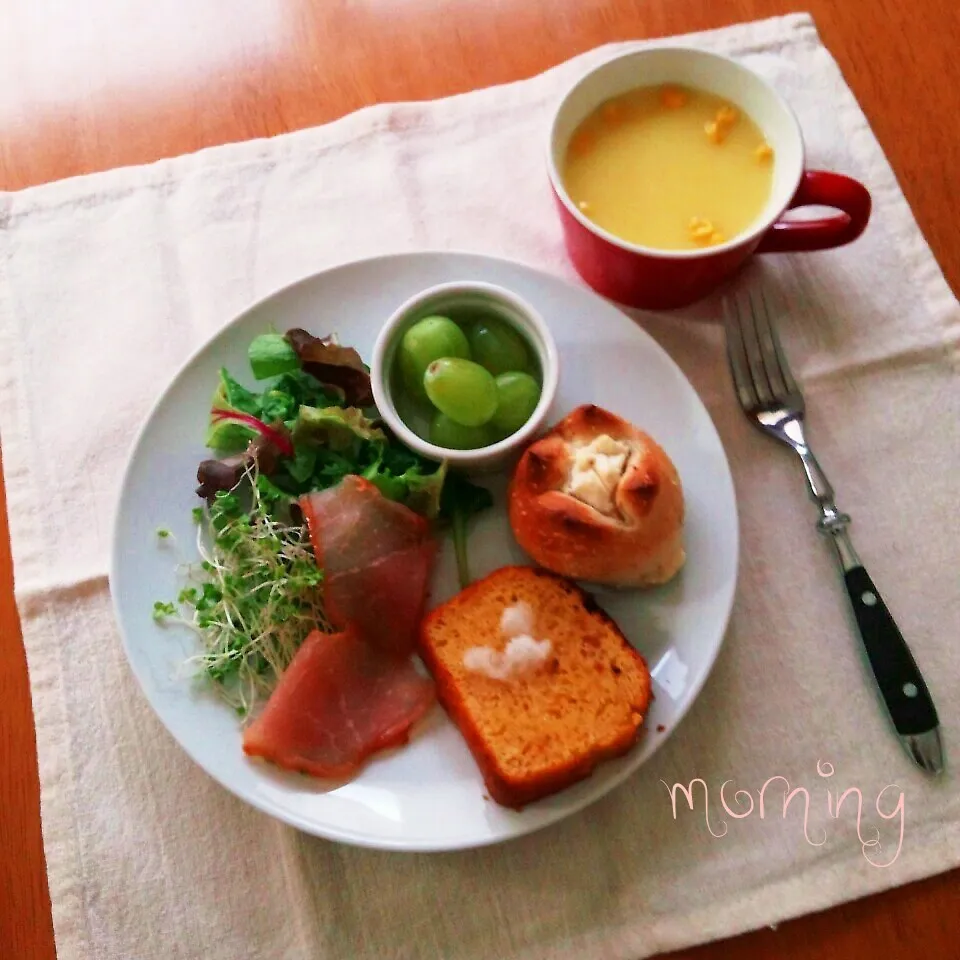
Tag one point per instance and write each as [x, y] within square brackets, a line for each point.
[461, 389]
[427, 340]
[517, 397]
[445, 432]
[496, 345]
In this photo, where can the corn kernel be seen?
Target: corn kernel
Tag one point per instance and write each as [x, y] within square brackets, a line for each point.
[672, 98]
[713, 131]
[701, 230]
[727, 116]
[764, 153]
[583, 205]
[716, 237]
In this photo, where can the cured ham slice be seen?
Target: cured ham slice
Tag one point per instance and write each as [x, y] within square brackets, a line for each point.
[377, 557]
[347, 695]
[338, 702]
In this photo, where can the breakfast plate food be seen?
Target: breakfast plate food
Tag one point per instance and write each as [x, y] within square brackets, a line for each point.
[425, 621]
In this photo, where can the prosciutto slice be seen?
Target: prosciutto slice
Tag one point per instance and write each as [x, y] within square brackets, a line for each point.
[338, 702]
[349, 694]
[377, 557]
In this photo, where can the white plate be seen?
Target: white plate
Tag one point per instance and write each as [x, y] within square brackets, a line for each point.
[429, 794]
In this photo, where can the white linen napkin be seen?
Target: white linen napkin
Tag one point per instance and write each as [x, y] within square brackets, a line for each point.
[108, 282]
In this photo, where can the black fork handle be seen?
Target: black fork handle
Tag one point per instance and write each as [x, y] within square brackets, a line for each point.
[899, 681]
[901, 684]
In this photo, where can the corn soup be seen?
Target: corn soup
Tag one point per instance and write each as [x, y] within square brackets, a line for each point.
[669, 167]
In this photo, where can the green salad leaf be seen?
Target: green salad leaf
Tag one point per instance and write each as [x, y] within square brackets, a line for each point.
[419, 486]
[279, 402]
[270, 354]
[339, 428]
[232, 397]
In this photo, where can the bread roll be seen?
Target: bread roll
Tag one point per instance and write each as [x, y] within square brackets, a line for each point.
[598, 500]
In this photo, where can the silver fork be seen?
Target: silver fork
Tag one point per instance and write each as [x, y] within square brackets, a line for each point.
[773, 402]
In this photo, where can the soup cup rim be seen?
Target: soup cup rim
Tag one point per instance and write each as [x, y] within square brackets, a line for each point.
[738, 240]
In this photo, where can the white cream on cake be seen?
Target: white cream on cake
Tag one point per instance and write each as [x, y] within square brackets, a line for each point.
[517, 619]
[522, 653]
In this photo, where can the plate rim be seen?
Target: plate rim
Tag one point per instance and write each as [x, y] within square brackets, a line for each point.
[338, 835]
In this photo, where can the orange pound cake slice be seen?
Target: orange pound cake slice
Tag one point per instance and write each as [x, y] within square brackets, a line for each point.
[539, 680]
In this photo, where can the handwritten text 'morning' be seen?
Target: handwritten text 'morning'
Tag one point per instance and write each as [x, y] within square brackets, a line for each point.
[743, 800]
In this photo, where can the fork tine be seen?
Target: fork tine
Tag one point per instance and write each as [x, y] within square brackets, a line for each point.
[790, 385]
[771, 355]
[736, 356]
[752, 348]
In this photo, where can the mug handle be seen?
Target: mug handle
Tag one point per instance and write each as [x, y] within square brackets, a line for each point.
[822, 189]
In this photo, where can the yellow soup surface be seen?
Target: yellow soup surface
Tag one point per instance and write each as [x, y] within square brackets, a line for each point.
[669, 167]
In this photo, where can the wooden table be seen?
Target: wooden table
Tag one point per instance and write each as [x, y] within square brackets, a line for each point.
[85, 87]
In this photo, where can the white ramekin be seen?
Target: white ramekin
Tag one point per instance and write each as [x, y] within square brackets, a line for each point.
[450, 299]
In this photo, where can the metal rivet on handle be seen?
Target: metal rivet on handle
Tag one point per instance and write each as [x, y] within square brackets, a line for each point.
[869, 598]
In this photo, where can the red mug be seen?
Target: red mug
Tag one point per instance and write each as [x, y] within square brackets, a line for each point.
[653, 279]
